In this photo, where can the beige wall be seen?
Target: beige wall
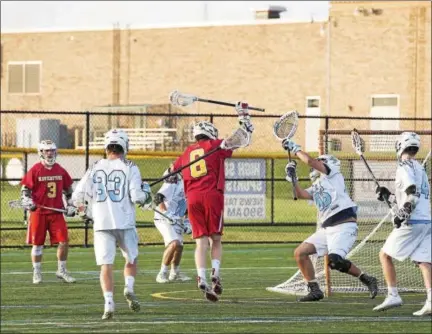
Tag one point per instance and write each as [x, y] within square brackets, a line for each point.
[270, 65]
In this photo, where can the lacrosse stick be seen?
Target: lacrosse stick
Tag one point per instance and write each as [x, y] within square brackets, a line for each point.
[183, 100]
[240, 138]
[285, 128]
[426, 159]
[17, 204]
[358, 146]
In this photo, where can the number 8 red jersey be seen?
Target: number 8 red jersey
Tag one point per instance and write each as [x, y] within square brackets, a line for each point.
[47, 185]
[207, 174]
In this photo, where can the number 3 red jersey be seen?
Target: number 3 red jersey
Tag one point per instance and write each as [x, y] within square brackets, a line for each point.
[207, 174]
[47, 185]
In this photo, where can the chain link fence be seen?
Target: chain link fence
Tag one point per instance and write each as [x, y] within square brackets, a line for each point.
[258, 206]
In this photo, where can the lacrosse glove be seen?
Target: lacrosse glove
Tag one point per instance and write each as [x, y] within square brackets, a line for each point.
[290, 170]
[401, 215]
[28, 203]
[147, 203]
[187, 228]
[383, 193]
[289, 145]
[70, 211]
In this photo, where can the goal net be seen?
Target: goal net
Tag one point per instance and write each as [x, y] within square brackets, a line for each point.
[374, 219]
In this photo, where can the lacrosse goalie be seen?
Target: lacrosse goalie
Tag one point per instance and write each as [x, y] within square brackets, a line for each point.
[112, 186]
[44, 185]
[171, 201]
[411, 211]
[204, 184]
[337, 216]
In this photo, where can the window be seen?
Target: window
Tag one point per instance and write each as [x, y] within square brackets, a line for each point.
[385, 101]
[24, 77]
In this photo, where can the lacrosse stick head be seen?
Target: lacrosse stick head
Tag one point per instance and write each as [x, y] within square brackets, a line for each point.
[357, 142]
[286, 126]
[181, 100]
[240, 138]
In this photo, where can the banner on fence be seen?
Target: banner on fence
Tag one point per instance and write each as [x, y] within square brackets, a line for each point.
[245, 200]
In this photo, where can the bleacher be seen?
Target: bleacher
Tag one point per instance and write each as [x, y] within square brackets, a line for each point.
[141, 139]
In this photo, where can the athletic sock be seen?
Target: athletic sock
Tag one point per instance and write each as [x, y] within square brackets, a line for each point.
[37, 266]
[164, 268]
[215, 267]
[62, 266]
[202, 274]
[393, 291]
[129, 283]
[108, 296]
[429, 294]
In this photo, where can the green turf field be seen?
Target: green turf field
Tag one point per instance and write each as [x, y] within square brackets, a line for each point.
[245, 306]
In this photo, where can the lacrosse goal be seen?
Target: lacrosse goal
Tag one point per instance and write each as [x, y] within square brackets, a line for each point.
[373, 216]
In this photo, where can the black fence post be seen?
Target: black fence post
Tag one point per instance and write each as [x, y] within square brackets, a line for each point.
[211, 118]
[86, 228]
[326, 135]
[272, 191]
[87, 143]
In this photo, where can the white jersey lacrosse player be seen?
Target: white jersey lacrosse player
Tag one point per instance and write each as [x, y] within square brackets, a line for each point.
[112, 186]
[411, 211]
[171, 201]
[337, 216]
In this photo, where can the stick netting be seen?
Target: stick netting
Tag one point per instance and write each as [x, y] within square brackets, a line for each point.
[240, 138]
[373, 216]
[286, 126]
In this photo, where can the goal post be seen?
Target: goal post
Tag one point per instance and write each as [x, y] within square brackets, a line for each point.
[374, 218]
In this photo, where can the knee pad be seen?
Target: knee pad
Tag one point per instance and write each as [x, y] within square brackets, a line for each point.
[336, 262]
[36, 250]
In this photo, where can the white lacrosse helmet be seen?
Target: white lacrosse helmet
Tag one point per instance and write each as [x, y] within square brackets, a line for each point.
[331, 161]
[407, 139]
[205, 128]
[45, 157]
[117, 137]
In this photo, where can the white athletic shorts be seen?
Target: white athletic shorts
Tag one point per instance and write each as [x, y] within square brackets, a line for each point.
[105, 242]
[334, 239]
[168, 231]
[410, 240]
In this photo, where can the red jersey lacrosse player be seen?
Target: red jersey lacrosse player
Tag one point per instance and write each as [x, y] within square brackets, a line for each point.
[204, 184]
[44, 185]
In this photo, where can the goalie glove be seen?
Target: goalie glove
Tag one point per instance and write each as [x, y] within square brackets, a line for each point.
[290, 145]
[401, 215]
[290, 171]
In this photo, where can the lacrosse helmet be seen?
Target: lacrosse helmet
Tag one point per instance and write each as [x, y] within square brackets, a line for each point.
[117, 137]
[406, 140]
[331, 161]
[47, 152]
[205, 128]
[174, 179]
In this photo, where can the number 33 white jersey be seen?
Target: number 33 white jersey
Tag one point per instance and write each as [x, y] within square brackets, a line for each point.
[113, 187]
[408, 173]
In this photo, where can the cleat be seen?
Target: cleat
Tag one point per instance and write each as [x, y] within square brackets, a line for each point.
[37, 277]
[108, 312]
[65, 276]
[162, 277]
[390, 302]
[314, 294]
[426, 310]
[132, 300]
[209, 294]
[216, 285]
[180, 277]
[372, 284]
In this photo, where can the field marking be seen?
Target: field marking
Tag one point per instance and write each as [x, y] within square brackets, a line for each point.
[222, 320]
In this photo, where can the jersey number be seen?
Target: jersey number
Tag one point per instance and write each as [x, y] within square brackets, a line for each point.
[52, 189]
[199, 168]
[425, 187]
[112, 185]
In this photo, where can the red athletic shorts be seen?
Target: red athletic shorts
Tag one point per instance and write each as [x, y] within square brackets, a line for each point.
[205, 212]
[39, 224]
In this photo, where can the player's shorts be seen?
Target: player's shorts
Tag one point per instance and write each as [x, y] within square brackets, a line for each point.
[337, 239]
[169, 231]
[39, 224]
[206, 213]
[410, 240]
[105, 242]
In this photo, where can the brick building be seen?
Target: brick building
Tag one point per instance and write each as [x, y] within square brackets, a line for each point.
[371, 58]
